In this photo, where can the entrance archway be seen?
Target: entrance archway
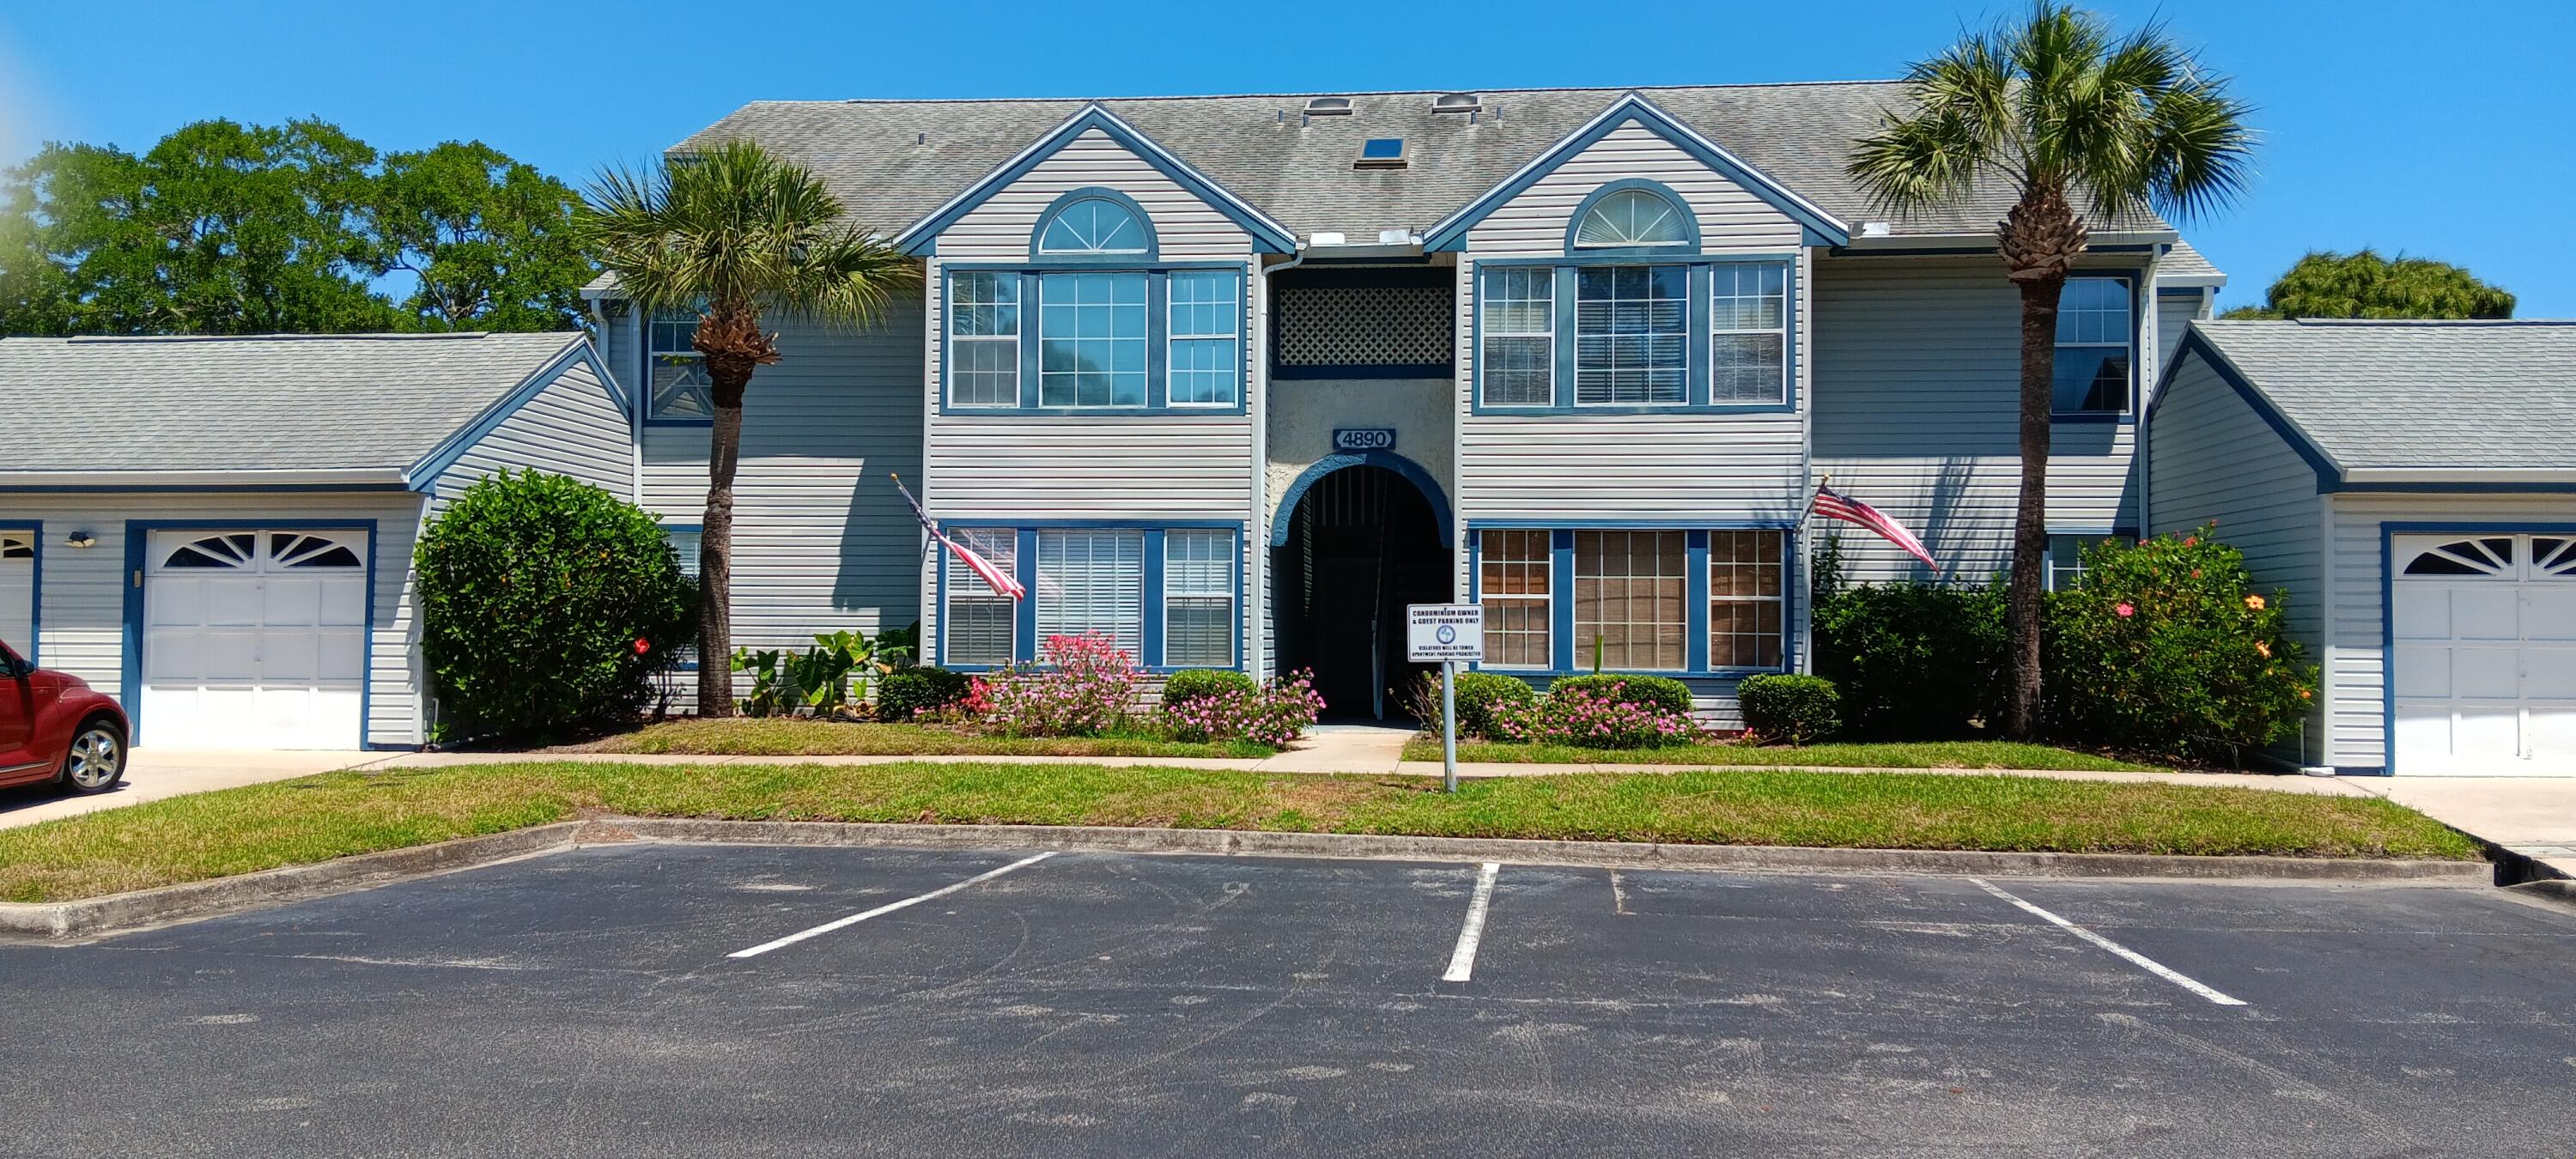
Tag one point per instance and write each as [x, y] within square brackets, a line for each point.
[1353, 544]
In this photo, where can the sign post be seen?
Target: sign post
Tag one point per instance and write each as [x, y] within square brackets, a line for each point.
[1447, 634]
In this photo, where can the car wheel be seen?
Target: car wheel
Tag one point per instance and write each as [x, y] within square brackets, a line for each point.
[97, 759]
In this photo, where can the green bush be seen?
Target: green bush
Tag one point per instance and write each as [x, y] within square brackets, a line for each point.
[1790, 709]
[1912, 661]
[545, 603]
[2164, 649]
[1482, 696]
[1657, 692]
[908, 692]
[1191, 684]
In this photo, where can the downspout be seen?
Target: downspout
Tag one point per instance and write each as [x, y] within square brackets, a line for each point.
[1256, 545]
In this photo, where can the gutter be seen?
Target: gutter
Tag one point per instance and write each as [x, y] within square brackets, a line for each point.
[2435, 476]
[357, 478]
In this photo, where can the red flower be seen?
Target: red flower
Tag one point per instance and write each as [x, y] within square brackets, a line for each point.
[642, 646]
[2126, 610]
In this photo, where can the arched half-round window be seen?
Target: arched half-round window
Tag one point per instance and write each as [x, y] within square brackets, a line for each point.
[1095, 226]
[1634, 217]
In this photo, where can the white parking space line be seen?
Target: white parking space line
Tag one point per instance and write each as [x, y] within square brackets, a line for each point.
[889, 907]
[1462, 961]
[2134, 958]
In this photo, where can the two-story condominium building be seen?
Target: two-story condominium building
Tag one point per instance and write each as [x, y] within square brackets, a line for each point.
[1234, 379]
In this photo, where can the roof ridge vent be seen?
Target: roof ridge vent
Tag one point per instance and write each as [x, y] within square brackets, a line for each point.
[1457, 103]
[1328, 106]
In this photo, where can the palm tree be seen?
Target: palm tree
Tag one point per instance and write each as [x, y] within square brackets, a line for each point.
[2060, 109]
[734, 233]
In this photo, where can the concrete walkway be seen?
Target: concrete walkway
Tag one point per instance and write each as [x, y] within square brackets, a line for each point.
[2532, 816]
[154, 773]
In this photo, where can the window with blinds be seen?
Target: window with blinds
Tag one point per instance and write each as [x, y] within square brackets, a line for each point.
[1198, 599]
[1092, 581]
[1630, 598]
[1746, 608]
[983, 624]
[1514, 582]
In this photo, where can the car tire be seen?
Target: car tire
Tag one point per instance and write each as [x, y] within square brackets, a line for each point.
[96, 761]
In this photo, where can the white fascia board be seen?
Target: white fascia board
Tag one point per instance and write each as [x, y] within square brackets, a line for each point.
[203, 480]
[2484, 476]
[1986, 237]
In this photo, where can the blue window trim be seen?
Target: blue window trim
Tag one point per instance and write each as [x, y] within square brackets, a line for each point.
[1699, 315]
[130, 654]
[1150, 638]
[2389, 530]
[1687, 247]
[2128, 412]
[1145, 221]
[1567, 659]
[33, 644]
[921, 239]
[1157, 339]
[1450, 233]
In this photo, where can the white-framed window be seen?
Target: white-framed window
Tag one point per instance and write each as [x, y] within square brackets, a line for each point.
[1092, 581]
[1093, 225]
[1748, 350]
[1631, 335]
[1515, 581]
[1205, 358]
[984, 339]
[1630, 600]
[1198, 599]
[677, 372]
[2095, 340]
[684, 544]
[983, 625]
[1633, 217]
[1747, 609]
[1091, 340]
[2066, 559]
[1517, 362]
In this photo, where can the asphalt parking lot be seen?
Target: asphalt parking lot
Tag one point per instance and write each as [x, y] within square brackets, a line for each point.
[657, 999]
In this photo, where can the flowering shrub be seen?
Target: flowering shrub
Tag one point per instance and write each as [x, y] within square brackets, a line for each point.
[1662, 692]
[1082, 686]
[1274, 714]
[1592, 716]
[2161, 649]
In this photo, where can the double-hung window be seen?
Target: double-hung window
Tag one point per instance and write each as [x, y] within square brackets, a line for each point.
[1091, 340]
[1748, 348]
[1519, 323]
[1630, 599]
[1631, 335]
[677, 372]
[1092, 581]
[2095, 339]
[1746, 605]
[1205, 358]
[984, 339]
[983, 624]
[1515, 579]
[1198, 599]
[2065, 569]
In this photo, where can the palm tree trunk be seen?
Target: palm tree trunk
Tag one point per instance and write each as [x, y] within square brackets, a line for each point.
[715, 545]
[2041, 238]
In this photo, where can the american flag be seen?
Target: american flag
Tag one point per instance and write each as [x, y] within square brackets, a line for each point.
[1834, 506]
[983, 568]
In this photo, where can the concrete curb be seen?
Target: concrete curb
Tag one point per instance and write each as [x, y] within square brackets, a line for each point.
[153, 907]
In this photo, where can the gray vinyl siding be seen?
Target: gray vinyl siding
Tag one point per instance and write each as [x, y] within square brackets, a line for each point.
[2356, 658]
[1731, 218]
[2211, 457]
[82, 620]
[1917, 411]
[2174, 315]
[572, 427]
[821, 540]
[1185, 228]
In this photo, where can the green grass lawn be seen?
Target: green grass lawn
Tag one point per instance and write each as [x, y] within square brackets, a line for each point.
[795, 737]
[338, 814]
[1947, 754]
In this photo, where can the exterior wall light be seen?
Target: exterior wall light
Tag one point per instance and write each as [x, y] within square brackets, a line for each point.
[80, 539]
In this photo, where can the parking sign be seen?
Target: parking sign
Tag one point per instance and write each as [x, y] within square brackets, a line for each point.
[1444, 633]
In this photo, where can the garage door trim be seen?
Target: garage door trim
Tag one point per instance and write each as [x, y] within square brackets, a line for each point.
[30, 647]
[138, 533]
[2389, 530]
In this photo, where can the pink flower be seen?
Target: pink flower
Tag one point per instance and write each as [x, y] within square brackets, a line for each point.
[2126, 610]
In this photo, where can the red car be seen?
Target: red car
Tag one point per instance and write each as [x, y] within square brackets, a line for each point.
[55, 727]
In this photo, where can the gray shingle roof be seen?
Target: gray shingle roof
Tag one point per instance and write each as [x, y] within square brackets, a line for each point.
[891, 162]
[2427, 395]
[269, 402]
[2183, 263]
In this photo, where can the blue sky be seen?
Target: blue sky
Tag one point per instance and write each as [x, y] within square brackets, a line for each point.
[2440, 130]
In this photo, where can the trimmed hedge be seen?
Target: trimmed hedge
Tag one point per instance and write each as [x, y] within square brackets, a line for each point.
[1484, 695]
[1790, 709]
[908, 692]
[1913, 661]
[1206, 684]
[1659, 692]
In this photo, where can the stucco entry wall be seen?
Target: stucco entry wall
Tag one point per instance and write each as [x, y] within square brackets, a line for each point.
[1304, 413]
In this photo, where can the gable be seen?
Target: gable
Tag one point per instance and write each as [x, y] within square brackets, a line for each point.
[1740, 209]
[994, 218]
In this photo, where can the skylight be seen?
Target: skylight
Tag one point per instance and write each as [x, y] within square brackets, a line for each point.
[1382, 153]
[1328, 106]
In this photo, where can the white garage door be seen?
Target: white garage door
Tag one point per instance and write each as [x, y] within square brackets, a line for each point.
[254, 638]
[18, 589]
[2485, 660]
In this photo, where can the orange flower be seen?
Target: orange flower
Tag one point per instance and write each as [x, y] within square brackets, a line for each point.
[2305, 694]
[2191, 541]
[2264, 648]
[2254, 602]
